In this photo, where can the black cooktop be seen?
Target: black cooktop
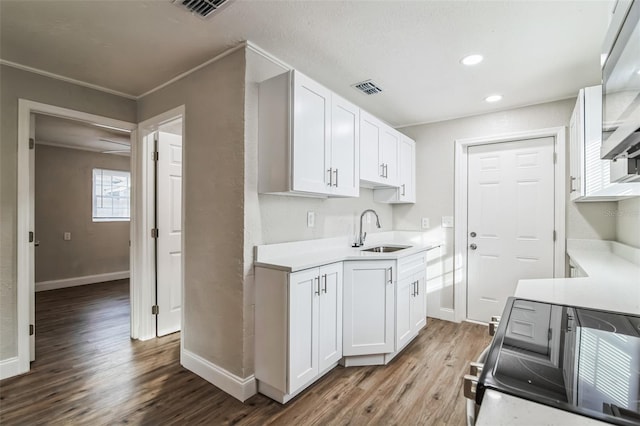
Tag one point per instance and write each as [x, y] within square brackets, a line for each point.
[581, 360]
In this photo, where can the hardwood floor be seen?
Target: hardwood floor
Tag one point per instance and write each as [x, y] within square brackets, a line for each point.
[88, 371]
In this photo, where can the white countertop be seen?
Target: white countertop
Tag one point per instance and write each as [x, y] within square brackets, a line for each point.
[613, 283]
[299, 255]
[499, 409]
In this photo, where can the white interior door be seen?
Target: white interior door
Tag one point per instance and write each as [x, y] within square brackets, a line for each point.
[32, 245]
[169, 224]
[510, 221]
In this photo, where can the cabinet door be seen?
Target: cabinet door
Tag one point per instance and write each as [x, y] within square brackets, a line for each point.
[304, 289]
[311, 135]
[330, 316]
[345, 148]
[405, 296]
[389, 149]
[419, 302]
[576, 147]
[370, 166]
[406, 190]
[369, 307]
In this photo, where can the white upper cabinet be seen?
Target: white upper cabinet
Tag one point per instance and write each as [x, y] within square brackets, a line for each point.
[311, 135]
[406, 190]
[378, 152]
[590, 178]
[308, 139]
[344, 161]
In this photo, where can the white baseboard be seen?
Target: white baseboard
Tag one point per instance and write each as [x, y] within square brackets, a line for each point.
[9, 367]
[88, 279]
[237, 387]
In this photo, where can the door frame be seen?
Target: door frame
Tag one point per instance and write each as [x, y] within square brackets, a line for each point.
[143, 246]
[25, 269]
[461, 205]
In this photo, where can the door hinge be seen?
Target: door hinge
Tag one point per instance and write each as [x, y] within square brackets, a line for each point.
[155, 310]
[32, 143]
[154, 233]
[30, 236]
[554, 235]
[155, 155]
[31, 330]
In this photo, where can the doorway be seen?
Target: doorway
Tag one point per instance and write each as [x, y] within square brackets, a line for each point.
[159, 267]
[81, 202]
[486, 267]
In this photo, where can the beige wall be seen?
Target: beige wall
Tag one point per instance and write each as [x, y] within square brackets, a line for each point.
[15, 84]
[435, 176]
[64, 204]
[213, 172]
[628, 226]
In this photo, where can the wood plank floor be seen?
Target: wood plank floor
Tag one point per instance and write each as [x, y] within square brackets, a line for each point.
[88, 371]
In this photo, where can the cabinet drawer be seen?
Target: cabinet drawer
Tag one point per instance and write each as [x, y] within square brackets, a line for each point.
[411, 264]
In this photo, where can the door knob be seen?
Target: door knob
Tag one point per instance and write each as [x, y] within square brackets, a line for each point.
[473, 246]
[473, 234]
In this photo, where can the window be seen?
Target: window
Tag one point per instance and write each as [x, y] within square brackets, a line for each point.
[111, 195]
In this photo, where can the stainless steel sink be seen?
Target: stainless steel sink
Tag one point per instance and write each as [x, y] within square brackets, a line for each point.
[385, 249]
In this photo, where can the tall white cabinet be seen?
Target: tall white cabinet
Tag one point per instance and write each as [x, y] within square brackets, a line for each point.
[298, 328]
[308, 139]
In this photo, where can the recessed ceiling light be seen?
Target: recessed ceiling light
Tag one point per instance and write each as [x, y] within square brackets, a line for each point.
[471, 60]
[493, 98]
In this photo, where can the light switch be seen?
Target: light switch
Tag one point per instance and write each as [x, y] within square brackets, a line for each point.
[67, 236]
[311, 219]
[447, 221]
[425, 223]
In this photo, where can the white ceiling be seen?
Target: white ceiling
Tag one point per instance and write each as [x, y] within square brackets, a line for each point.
[535, 51]
[74, 134]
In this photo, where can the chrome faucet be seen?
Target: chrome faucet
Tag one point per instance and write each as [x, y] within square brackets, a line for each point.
[361, 236]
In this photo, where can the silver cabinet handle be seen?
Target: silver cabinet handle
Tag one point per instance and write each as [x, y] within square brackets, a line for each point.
[382, 170]
[336, 172]
[318, 288]
[403, 190]
[413, 289]
[330, 177]
[571, 188]
[470, 385]
[473, 246]
[324, 290]
[417, 288]
[386, 171]
[390, 275]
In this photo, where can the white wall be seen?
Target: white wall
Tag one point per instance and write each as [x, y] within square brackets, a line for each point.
[16, 84]
[435, 176]
[213, 173]
[628, 226]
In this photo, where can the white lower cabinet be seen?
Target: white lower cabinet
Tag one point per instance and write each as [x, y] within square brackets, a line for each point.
[298, 328]
[369, 307]
[411, 311]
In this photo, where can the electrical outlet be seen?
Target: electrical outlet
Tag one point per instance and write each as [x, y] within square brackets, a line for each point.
[425, 223]
[67, 236]
[447, 221]
[311, 219]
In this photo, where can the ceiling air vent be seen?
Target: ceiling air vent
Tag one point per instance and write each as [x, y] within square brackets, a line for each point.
[202, 8]
[367, 87]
